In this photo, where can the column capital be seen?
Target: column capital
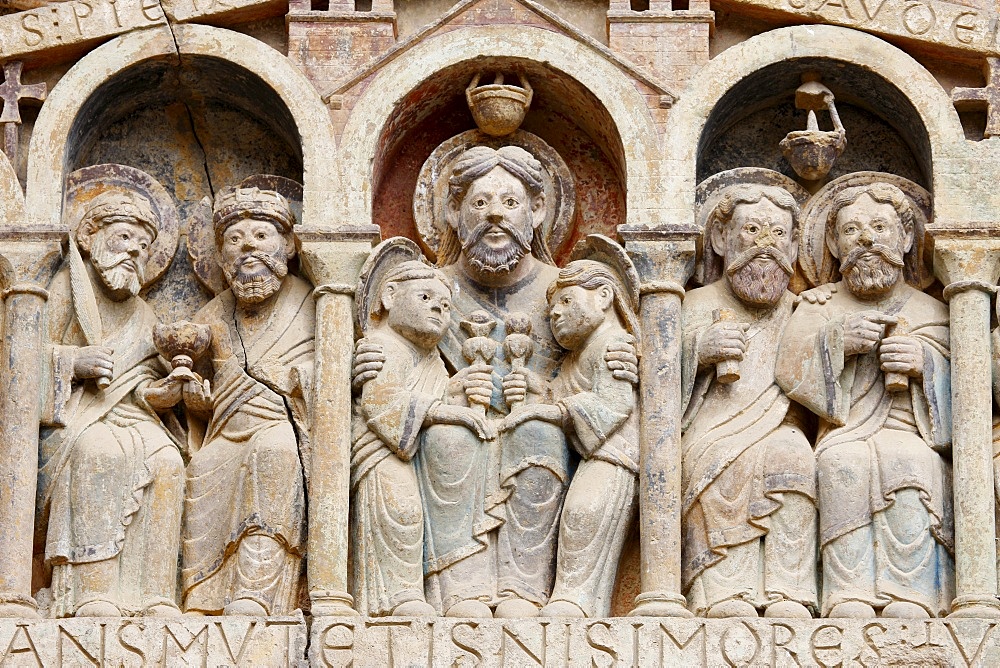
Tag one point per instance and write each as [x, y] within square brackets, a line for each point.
[664, 255]
[332, 257]
[968, 261]
[29, 257]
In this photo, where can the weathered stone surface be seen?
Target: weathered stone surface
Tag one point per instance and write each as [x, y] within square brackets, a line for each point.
[652, 642]
[233, 641]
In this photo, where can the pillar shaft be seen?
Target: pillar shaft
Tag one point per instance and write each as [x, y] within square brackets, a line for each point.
[27, 267]
[969, 268]
[665, 260]
[333, 262]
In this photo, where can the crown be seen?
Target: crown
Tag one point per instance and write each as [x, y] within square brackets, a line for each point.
[234, 204]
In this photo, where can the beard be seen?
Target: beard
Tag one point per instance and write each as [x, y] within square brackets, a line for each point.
[252, 286]
[872, 272]
[759, 276]
[120, 272]
[497, 260]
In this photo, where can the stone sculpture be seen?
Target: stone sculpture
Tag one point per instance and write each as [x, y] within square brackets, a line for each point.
[110, 483]
[404, 306]
[873, 363]
[245, 508]
[492, 507]
[748, 472]
[592, 306]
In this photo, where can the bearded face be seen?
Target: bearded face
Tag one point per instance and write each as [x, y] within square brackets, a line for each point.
[119, 252]
[495, 223]
[871, 243]
[254, 260]
[758, 252]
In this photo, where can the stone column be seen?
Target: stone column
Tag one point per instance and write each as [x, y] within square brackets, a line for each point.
[664, 258]
[28, 259]
[969, 268]
[332, 260]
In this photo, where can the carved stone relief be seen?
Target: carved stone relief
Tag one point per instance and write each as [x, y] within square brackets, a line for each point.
[461, 346]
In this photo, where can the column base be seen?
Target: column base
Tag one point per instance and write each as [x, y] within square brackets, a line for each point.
[977, 607]
[332, 604]
[17, 606]
[660, 604]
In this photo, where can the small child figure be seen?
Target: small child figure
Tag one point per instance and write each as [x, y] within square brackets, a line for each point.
[403, 306]
[592, 306]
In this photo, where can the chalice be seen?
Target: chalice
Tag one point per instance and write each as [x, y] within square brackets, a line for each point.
[183, 343]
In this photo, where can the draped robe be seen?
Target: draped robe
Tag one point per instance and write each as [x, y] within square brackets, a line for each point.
[246, 476]
[742, 451]
[873, 445]
[495, 541]
[106, 458]
[603, 427]
[387, 523]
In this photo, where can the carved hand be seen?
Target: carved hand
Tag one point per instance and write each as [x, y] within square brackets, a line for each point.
[474, 382]
[862, 331]
[821, 294]
[902, 354]
[164, 393]
[94, 362]
[517, 385]
[442, 413]
[198, 396]
[517, 417]
[369, 359]
[725, 340]
[623, 361]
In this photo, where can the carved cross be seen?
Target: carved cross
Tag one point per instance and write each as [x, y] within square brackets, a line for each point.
[11, 92]
[986, 98]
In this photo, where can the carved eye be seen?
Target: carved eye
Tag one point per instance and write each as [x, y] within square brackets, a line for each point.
[851, 229]
[511, 203]
[261, 236]
[879, 227]
[124, 236]
[778, 232]
[566, 300]
[234, 239]
[479, 203]
[751, 228]
[446, 305]
[143, 245]
[424, 296]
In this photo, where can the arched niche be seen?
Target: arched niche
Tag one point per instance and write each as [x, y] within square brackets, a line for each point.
[871, 78]
[199, 114]
[563, 112]
[576, 82]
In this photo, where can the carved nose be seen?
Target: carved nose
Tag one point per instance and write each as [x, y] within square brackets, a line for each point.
[764, 238]
[866, 238]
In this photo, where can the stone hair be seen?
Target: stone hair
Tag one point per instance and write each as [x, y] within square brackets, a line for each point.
[748, 193]
[411, 270]
[591, 275]
[883, 193]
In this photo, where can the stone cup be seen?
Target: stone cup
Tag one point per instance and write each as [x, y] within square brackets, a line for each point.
[182, 342]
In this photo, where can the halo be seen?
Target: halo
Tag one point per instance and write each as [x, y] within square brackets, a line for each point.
[431, 195]
[602, 249]
[384, 257]
[820, 267]
[708, 268]
[201, 234]
[83, 185]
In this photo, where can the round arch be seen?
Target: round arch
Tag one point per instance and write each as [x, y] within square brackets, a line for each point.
[622, 100]
[52, 136]
[689, 117]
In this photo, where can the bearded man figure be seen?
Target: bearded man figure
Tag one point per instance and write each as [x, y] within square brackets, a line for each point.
[110, 482]
[748, 475]
[491, 507]
[245, 505]
[883, 399]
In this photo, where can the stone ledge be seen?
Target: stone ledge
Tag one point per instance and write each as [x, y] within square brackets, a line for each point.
[148, 641]
[652, 642]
